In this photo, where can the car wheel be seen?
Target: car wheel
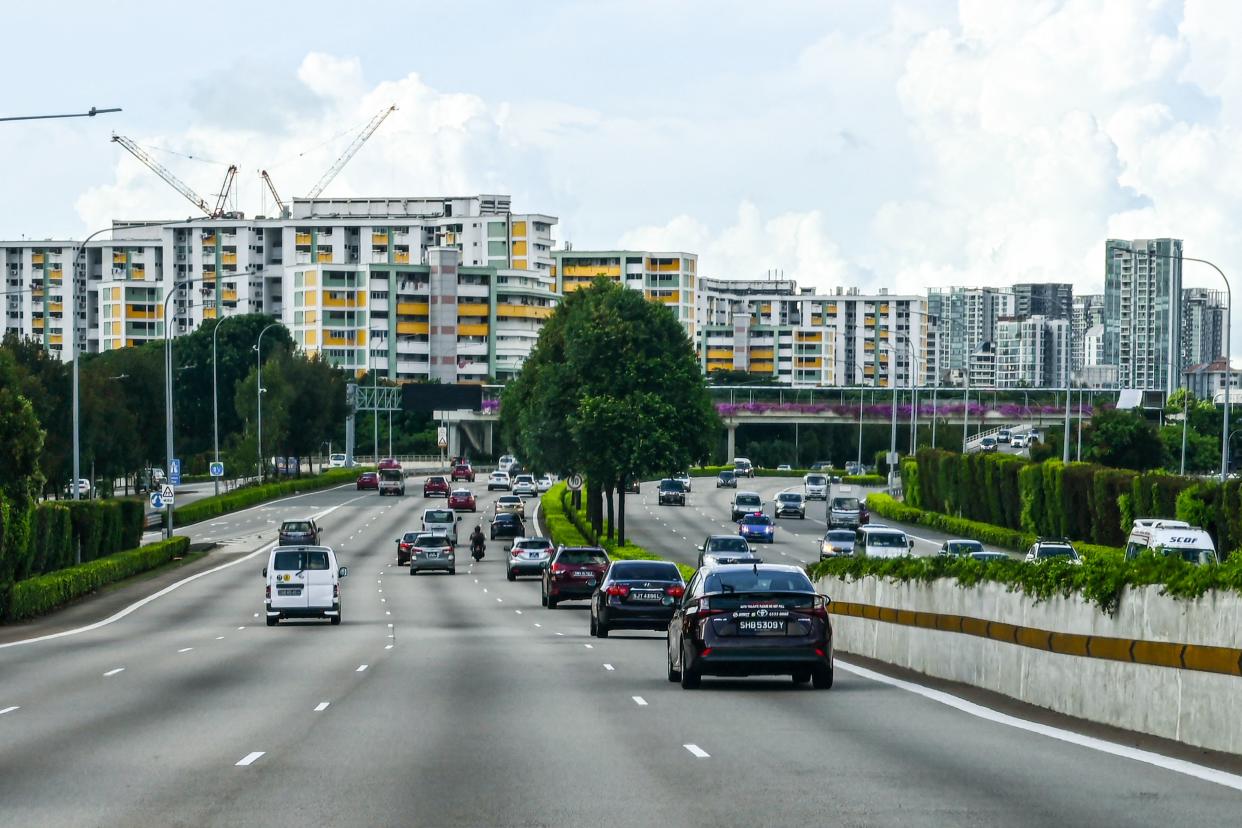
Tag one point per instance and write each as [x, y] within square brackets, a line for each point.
[413, 571]
[821, 678]
[453, 571]
[601, 630]
[272, 619]
[510, 575]
[801, 676]
[690, 679]
[673, 675]
[543, 594]
[551, 601]
[594, 626]
[336, 620]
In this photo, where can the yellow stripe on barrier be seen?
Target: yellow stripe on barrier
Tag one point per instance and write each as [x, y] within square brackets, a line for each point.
[1198, 657]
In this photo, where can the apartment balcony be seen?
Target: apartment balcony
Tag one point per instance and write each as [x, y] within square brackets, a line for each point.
[324, 257]
[302, 239]
[379, 238]
[412, 308]
[402, 257]
[119, 258]
[36, 258]
[350, 300]
[209, 240]
[228, 258]
[472, 309]
[415, 328]
[474, 329]
[229, 295]
[523, 311]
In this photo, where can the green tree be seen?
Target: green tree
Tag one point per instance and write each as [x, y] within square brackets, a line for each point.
[1123, 440]
[21, 439]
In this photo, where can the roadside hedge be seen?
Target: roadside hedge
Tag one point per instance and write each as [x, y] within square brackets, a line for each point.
[44, 593]
[1101, 579]
[248, 496]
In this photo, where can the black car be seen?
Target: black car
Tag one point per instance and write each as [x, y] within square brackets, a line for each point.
[671, 491]
[507, 525]
[302, 532]
[636, 595]
[632, 487]
[727, 479]
[574, 574]
[761, 619]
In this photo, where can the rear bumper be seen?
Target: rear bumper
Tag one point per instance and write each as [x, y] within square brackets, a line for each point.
[642, 618]
[672, 501]
[441, 564]
[760, 661]
[569, 591]
[303, 612]
[525, 568]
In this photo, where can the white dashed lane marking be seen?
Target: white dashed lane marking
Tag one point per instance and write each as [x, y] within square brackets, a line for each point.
[322, 706]
[609, 667]
[114, 671]
[249, 758]
[697, 751]
[361, 667]
[185, 649]
[639, 700]
[4, 710]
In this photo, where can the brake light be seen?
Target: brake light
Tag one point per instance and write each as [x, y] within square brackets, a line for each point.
[619, 590]
[336, 590]
[818, 608]
[269, 592]
[676, 591]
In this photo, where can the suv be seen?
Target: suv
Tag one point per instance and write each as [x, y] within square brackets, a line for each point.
[742, 467]
[848, 511]
[745, 503]
[462, 471]
[433, 551]
[524, 485]
[987, 444]
[1050, 549]
[821, 465]
[684, 479]
[881, 542]
[528, 556]
[790, 504]
[671, 491]
[499, 480]
[436, 485]
[300, 532]
[574, 574]
[727, 479]
[506, 463]
[725, 549]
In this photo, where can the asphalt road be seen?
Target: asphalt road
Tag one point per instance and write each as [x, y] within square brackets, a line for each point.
[458, 700]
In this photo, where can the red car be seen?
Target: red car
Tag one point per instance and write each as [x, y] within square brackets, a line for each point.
[368, 480]
[404, 544]
[388, 463]
[462, 471]
[574, 575]
[436, 486]
[462, 500]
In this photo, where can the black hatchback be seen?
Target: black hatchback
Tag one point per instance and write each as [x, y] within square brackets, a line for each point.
[507, 525]
[304, 532]
[636, 595]
[761, 619]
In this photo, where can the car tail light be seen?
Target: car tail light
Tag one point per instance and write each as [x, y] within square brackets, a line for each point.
[269, 592]
[818, 609]
[619, 590]
[336, 590]
[676, 591]
[820, 652]
[516, 551]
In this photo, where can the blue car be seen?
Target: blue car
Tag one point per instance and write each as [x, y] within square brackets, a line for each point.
[757, 527]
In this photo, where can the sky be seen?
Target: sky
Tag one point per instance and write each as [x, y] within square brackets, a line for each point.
[882, 143]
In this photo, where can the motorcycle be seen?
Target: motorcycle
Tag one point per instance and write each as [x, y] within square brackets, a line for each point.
[476, 550]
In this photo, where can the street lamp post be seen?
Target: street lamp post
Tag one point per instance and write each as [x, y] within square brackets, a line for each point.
[215, 399]
[258, 392]
[168, 396]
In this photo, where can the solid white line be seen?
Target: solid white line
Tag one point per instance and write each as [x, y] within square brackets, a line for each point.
[9, 709]
[185, 649]
[1202, 772]
[249, 759]
[639, 700]
[697, 751]
[322, 706]
[361, 667]
[609, 667]
[137, 605]
[113, 672]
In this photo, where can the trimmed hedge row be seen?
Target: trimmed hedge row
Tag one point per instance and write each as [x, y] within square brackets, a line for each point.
[42, 537]
[1012, 539]
[44, 593]
[1101, 579]
[248, 496]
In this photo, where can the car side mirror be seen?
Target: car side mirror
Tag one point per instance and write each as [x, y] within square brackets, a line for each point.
[265, 572]
[911, 542]
[699, 548]
[344, 570]
[459, 518]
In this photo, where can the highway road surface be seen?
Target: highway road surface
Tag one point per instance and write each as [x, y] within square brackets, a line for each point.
[458, 700]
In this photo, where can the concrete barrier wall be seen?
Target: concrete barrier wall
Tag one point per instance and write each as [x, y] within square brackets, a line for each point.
[1195, 707]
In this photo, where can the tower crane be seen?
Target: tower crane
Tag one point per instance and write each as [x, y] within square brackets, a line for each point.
[176, 183]
[354, 146]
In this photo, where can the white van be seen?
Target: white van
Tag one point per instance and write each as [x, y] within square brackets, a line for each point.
[881, 542]
[815, 486]
[303, 582]
[441, 520]
[336, 461]
[1172, 538]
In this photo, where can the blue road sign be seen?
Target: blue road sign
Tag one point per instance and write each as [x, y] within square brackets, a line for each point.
[217, 469]
[174, 474]
[157, 502]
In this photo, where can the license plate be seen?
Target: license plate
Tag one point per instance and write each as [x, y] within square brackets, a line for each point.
[433, 554]
[297, 591]
[761, 626]
[646, 596]
[590, 575]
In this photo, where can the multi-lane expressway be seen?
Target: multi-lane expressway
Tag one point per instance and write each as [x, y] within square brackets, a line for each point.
[458, 700]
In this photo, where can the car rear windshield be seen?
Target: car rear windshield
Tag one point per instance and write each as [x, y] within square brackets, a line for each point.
[887, 540]
[410, 537]
[582, 556]
[533, 543]
[965, 547]
[297, 560]
[748, 500]
[840, 536]
[672, 486]
[729, 544]
[462, 468]
[391, 475]
[816, 480]
[438, 516]
[295, 526]
[787, 497]
[757, 520]
[758, 580]
[431, 539]
[845, 503]
[643, 571]
[1048, 551]
[439, 480]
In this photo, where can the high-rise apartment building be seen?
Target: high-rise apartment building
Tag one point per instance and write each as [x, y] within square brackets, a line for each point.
[965, 318]
[1203, 326]
[1142, 312]
[669, 278]
[1051, 300]
[1088, 312]
[1032, 352]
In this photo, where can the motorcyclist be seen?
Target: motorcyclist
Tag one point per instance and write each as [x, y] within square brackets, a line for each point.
[476, 538]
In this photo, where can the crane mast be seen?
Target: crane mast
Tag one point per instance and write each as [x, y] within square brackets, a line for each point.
[349, 152]
[176, 183]
[280, 204]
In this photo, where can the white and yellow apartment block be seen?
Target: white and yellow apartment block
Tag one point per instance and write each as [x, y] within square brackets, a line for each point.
[670, 278]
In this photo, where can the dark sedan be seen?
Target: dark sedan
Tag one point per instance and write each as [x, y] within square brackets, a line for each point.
[507, 525]
[368, 480]
[762, 619]
[636, 595]
[574, 574]
[671, 491]
[726, 480]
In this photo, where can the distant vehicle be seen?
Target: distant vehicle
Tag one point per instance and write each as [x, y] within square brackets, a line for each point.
[671, 492]
[847, 510]
[790, 504]
[745, 503]
[988, 557]
[84, 488]
[433, 552]
[959, 548]
[757, 527]
[499, 480]
[747, 620]
[336, 461]
[462, 500]
[544, 483]
[524, 485]
[636, 595]
[632, 486]
[157, 474]
[821, 465]
[528, 556]
[1052, 549]
[300, 532]
[743, 467]
[511, 503]
[507, 525]
[987, 444]
[727, 479]
[855, 468]
[404, 544]
[436, 486]
[815, 486]
[368, 480]
[1003, 435]
[1018, 441]
[684, 479]
[1171, 539]
[573, 574]
[837, 543]
[441, 520]
[881, 542]
[718, 550]
[303, 582]
[784, 467]
[462, 471]
[391, 481]
[506, 463]
[388, 463]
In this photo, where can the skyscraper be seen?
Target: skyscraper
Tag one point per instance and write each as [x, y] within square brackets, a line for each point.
[967, 318]
[1142, 311]
[1052, 300]
[1203, 326]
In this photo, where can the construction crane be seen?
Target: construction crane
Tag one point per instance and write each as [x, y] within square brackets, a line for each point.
[179, 185]
[280, 204]
[354, 146]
